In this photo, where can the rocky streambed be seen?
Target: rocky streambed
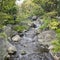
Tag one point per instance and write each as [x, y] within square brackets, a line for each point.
[30, 46]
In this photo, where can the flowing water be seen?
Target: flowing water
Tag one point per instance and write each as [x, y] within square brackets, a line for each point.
[27, 47]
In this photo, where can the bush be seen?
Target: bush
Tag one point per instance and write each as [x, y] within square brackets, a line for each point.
[52, 14]
[46, 21]
[53, 24]
[58, 30]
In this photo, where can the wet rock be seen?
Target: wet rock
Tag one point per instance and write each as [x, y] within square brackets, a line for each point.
[38, 56]
[16, 38]
[34, 18]
[24, 31]
[23, 52]
[29, 24]
[7, 57]
[31, 33]
[33, 25]
[38, 31]
[51, 47]
[43, 48]
[11, 50]
[21, 34]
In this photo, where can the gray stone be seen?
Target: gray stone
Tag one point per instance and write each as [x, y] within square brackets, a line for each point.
[38, 56]
[16, 38]
[43, 48]
[46, 37]
[12, 50]
[23, 52]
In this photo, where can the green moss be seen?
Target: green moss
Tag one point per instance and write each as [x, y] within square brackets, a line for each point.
[20, 28]
[1, 26]
[46, 21]
[56, 44]
[3, 35]
[58, 31]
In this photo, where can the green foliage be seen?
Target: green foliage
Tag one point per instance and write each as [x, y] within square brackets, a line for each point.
[58, 30]
[28, 9]
[56, 44]
[48, 5]
[1, 26]
[46, 22]
[20, 28]
[3, 35]
[51, 14]
[48, 9]
[53, 24]
[4, 17]
[7, 11]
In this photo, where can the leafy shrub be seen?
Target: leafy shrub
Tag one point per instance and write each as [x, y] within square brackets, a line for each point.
[53, 24]
[58, 30]
[52, 14]
[46, 21]
[4, 17]
[10, 22]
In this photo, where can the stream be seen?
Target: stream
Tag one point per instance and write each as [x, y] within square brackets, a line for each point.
[27, 47]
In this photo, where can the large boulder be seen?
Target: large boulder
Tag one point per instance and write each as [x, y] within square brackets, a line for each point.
[46, 37]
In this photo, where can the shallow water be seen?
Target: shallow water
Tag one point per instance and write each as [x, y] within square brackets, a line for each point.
[28, 44]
